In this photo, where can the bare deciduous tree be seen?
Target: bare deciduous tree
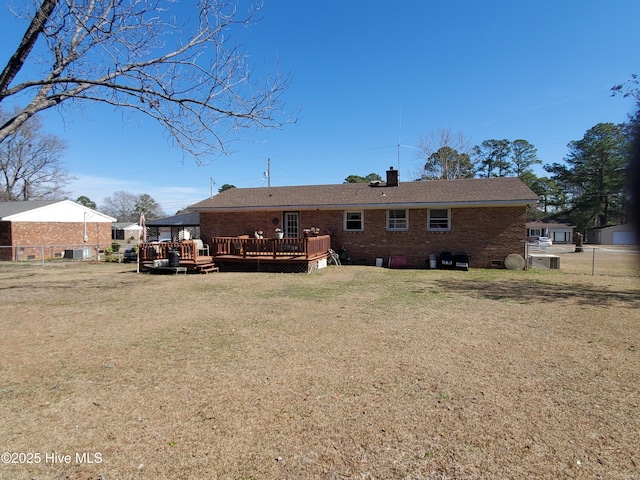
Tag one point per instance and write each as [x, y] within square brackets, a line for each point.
[121, 205]
[445, 155]
[30, 164]
[147, 205]
[137, 56]
[127, 206]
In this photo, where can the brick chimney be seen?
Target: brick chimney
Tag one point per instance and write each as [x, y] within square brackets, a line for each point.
[392, 177]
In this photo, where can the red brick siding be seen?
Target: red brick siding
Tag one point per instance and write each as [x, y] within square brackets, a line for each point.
[485, 234]
[233, 224]
[51, 234]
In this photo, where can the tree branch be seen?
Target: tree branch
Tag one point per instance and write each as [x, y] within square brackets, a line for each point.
[17, 60]
[116, 52]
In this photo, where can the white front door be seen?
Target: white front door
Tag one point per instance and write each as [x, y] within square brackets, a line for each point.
[291, 224]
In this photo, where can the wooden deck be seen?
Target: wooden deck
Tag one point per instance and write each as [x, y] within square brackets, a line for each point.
[241, 254]
[270, 254]
[152, 255]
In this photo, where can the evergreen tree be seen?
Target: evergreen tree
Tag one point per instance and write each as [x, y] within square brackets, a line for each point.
[594, 175]
[372, 177]
[523, 156]
[86, 201]
[493, 158]
[447, 164]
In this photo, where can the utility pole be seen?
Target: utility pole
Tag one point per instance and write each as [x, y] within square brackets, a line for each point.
[211, 185]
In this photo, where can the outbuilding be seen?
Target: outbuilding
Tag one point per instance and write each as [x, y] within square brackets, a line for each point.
[613, 235]
[32, 230]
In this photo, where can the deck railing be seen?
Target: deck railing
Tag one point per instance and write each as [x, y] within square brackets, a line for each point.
[152, 251]
[247, 247]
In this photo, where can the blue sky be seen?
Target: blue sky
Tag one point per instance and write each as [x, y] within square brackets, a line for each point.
[371, 74]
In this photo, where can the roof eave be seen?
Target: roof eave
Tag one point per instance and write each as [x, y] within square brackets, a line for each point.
[369, 206]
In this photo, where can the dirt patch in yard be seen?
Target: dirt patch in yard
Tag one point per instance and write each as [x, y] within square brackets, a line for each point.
[350, 372]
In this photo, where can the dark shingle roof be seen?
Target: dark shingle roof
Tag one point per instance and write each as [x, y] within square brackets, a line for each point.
[549, 223]
[461, 192]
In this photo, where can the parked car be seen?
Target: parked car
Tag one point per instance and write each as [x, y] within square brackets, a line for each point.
[130, 255]
[544, 242]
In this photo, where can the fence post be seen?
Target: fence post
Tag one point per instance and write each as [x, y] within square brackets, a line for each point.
[42, 254]
[593, 262]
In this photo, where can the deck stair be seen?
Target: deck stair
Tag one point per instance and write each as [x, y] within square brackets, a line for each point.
[206, 268]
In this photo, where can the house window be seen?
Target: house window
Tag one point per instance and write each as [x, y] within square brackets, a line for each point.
[353, 221]
[535, 232]
[397, 220]
[439, 220]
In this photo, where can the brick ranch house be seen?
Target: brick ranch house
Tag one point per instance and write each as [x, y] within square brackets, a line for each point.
[483, 218]
[26, 227]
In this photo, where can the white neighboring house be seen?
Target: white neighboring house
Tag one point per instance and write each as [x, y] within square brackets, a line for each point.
[30, 229]
[126, 231]
[558, 232]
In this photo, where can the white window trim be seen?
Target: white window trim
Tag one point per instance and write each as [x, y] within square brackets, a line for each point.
[448, 229]
[406, 212]
[361, 229]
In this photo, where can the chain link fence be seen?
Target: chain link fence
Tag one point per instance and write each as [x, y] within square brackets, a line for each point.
[614, 260]
[44, 255]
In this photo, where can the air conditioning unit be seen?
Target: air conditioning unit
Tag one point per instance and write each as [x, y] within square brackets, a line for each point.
[544, 261]
[78, 253]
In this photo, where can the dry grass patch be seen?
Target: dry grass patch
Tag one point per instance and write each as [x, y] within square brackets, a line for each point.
[352, 372]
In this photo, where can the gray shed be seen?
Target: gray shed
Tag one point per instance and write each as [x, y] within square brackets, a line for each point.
[614, 235]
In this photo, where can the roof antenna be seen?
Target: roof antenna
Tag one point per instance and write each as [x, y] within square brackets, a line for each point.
[399, 134]
[267, 173]
[400, 144]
